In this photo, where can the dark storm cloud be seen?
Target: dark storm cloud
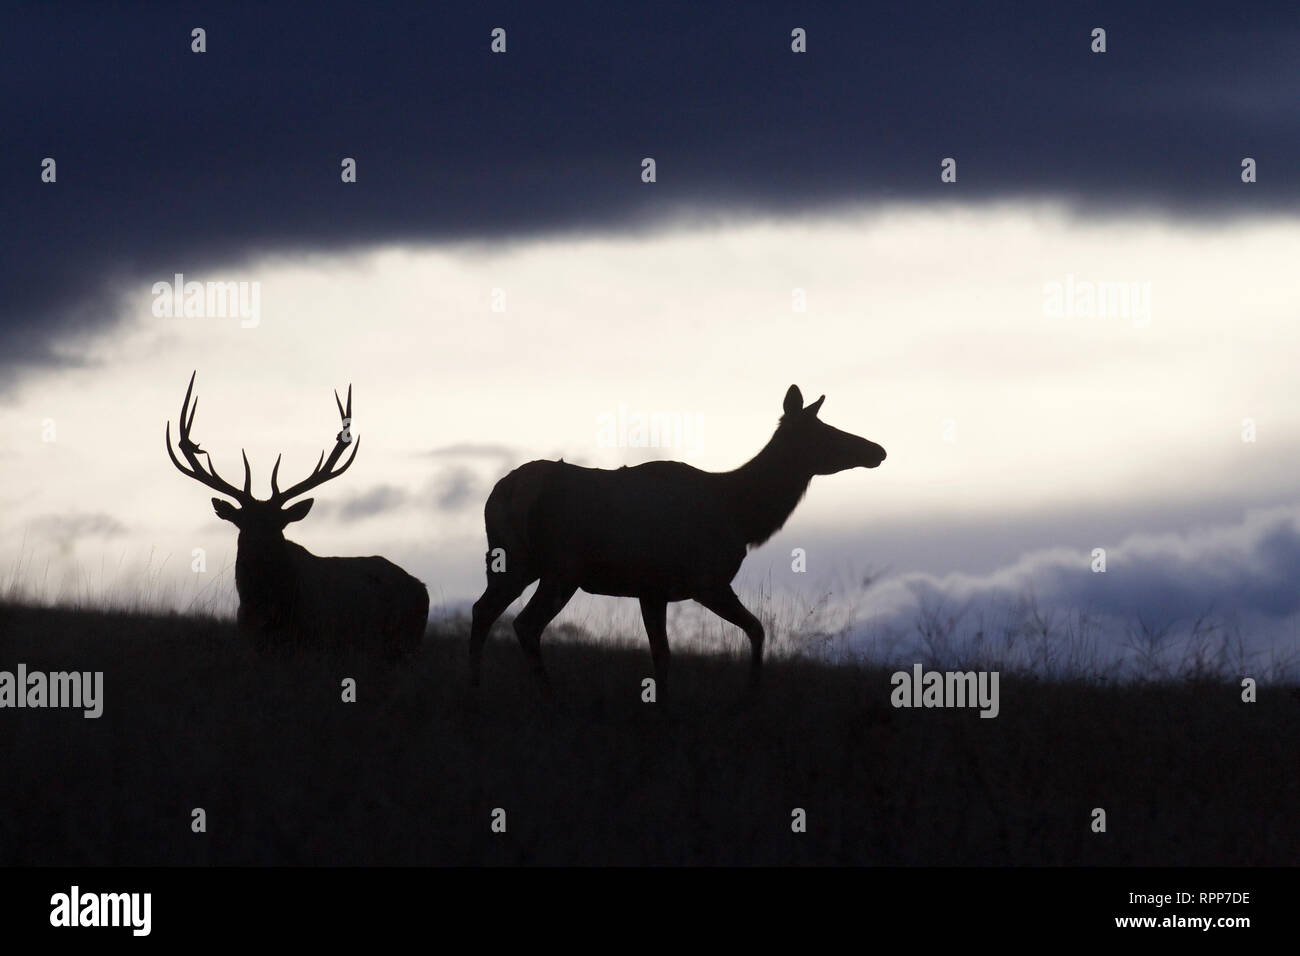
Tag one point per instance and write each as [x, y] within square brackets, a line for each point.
[1250, 567]
[1241, 575]
[170, 161]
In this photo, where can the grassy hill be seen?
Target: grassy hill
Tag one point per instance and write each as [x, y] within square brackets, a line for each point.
[410, 774]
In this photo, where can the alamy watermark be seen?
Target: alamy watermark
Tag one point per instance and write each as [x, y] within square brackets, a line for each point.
[946, 689]
[630, 428]
[1084, 298]
[83, 690]
[213, 300]
[76, 908]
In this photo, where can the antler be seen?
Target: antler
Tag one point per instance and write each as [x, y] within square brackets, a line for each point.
[191, 451]
[324, 469]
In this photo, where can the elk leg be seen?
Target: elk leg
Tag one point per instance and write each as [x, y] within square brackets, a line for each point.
[501, 591]
[727, 606]
[548, 601]
[655, 614]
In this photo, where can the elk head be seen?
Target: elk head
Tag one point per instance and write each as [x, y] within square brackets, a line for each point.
[260, 520]
[821, 447]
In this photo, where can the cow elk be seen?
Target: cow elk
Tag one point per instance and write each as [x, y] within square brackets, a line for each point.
[660, 532]
[289, 597]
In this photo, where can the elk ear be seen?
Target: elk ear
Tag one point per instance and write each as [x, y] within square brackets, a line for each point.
[225, 510]
[815, 407]
[793, 400]
[296, 512]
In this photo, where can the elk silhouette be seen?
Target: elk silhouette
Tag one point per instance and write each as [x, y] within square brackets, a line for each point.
[288, 595]
[660, 532]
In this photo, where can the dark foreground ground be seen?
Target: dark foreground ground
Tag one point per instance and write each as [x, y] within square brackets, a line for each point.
[410, 774]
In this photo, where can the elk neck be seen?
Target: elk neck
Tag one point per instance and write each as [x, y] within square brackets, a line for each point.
[765, 490]
[264, 565]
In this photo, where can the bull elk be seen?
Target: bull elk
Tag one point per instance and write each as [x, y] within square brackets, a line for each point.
[286, 592]
[659, 532]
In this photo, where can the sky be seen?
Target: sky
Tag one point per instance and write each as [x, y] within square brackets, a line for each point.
[1085, 341]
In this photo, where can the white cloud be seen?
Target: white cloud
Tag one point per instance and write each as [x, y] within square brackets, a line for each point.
[915, 315]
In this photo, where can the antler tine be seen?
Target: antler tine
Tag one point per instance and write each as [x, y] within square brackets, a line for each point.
[226, 487]
[337, 451]
[191, 451]
[325, 469]
[319, 475]
[185, 405]
[356, 445]
[171, 454]
[248, 473]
